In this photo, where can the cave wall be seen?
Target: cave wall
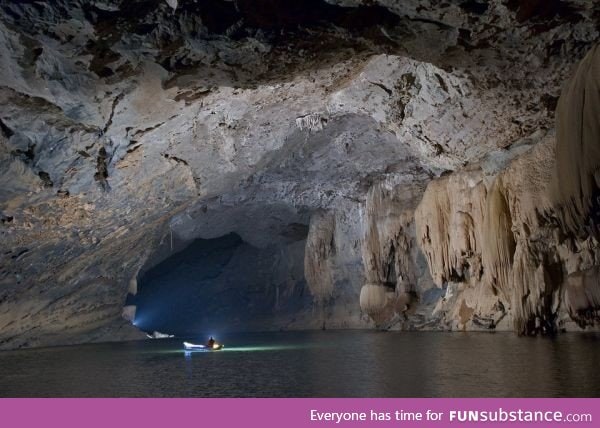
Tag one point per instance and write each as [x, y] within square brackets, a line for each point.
[333, 268]
[125, 125]
[394, 274]
[514, 238]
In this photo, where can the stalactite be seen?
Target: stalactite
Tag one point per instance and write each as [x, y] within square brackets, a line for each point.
[498, 244]
[575, 190]
[538, 240]
[448, 222]
[388, 243]
[577, 182]
[313, 122]
[534, 292]
[389, 252]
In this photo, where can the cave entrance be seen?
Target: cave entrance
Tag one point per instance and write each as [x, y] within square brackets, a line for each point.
[221, 284]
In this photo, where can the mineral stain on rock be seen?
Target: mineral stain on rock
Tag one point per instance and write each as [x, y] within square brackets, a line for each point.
[101, 174]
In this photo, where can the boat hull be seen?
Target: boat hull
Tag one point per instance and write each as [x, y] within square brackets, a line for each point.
[201, 348]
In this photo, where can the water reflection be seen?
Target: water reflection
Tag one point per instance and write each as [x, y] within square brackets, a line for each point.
[302, 364]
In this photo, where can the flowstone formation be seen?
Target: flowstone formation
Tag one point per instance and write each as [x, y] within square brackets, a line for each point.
[517, 244]
[399, 163]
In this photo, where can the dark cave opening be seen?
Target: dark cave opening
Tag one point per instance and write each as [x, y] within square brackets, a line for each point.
[221, 285]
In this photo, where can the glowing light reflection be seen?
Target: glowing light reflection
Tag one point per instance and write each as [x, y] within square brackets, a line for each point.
[260, 348]
[233, 349]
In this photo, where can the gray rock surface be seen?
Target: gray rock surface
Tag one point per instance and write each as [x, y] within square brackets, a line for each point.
[129, 129]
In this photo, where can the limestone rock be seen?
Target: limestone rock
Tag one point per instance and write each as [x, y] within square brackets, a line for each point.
[318, 256]
[130, 129]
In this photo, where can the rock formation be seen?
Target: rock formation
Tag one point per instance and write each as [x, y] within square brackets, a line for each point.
[405, 155]
[389, 252]
[526, 235]
[319, 256]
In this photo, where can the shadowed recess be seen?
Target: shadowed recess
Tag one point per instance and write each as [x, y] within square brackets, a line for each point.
[214, 285]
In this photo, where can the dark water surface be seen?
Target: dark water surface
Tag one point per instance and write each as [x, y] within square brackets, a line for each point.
[315, 364]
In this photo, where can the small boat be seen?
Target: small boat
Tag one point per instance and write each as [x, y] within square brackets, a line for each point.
[193, 347]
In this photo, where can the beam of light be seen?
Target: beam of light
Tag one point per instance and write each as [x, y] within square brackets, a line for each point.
[266, 348]
[260, 348]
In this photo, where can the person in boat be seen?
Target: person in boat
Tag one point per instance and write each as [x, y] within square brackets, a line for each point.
[210, 342]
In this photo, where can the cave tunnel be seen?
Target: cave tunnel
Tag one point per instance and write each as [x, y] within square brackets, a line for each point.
[222, 285]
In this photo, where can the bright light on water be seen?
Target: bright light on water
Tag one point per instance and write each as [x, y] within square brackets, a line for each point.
[260, 348]
[267, 348]
[252, 349]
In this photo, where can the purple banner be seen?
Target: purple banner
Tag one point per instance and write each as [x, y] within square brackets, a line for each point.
[290, 413]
